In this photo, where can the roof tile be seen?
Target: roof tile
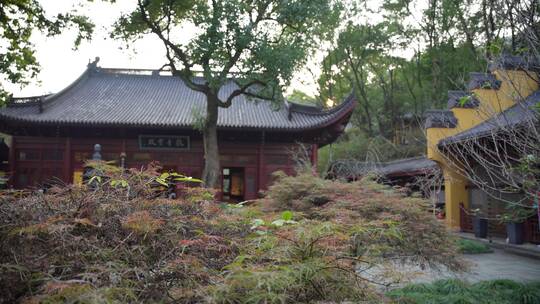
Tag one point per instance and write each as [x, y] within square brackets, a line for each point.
[108, 97]
[519, 113]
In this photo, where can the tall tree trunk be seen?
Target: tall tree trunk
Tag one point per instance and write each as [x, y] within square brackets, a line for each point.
[211, 148]
[433, 37]
[393, 109]
[358, 73]
[410, 89]
[365, 105]
[469, 34]
[510, 13]
[486, 29]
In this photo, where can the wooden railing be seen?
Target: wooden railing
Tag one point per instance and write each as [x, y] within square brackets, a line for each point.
[465, 222]
[532, 230]
[531, 227]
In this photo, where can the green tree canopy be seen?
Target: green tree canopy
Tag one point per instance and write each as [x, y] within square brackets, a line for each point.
[18, 20]
[402, 58]
[259, 44]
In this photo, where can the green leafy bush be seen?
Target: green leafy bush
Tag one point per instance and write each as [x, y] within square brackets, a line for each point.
[298, 192]
[294, 265]
[473, 247]
[456, 291]
[381, 222]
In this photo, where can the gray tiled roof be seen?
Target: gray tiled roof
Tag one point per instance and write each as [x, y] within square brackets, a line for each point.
[400, 167]
[455, 100]
[511, 62]
[113, 97]
[483, 81]
[519, 113]
[439, 119]
[412, 165]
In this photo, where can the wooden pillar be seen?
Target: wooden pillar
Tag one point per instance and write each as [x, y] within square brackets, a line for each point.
[314, 157]
[123, 133]
[123, 153]
[68, 175]
[455, 192]
[260, 164]
[12, 162]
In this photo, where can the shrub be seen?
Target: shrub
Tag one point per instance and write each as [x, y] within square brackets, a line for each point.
[382, 222]
[456, 291]
[298, 264]
[127, 242]
[472, 247]
[298, 192]
[142, 222]
[109, 243]
[355, 144]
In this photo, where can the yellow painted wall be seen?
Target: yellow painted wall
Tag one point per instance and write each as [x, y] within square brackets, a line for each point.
[515, 85]
[455, 192]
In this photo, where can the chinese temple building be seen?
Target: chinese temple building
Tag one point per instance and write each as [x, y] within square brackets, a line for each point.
[503, 101]
[139, 116]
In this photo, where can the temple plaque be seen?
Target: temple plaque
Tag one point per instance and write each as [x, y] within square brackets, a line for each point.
[164, 142]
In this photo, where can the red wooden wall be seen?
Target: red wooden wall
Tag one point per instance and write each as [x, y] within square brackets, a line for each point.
[36, 160]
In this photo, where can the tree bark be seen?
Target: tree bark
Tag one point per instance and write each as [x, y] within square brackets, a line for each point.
[469, 34]
[510, 14]
[211, 148]
[359, 80]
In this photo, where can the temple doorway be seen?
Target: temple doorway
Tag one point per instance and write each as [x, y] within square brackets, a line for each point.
[233, 184]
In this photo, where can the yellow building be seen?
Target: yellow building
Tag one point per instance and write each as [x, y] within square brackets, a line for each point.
[492, 98]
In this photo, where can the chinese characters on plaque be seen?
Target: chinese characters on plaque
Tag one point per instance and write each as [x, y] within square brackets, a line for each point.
[163, 142]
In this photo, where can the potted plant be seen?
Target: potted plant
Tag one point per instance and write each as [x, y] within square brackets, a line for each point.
[480, 224]
[514, 218]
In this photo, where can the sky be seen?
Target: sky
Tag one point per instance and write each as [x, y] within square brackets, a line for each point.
[61, 64]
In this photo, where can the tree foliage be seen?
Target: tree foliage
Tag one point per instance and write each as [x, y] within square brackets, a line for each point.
[257, 44]
[404, 62]
[18, 21]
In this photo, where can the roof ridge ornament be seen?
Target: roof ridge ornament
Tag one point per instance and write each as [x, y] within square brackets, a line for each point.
[40, 104]
[93, 64]
[26, 101]
[480, 80]
[461, 99]
[288, 106]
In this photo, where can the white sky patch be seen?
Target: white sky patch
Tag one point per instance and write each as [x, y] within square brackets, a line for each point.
[61, 64]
